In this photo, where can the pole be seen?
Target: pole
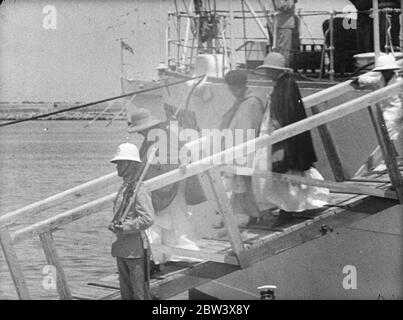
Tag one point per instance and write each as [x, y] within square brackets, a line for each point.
[269, 22]
[168, 41]
[121, 66]
[331, 48]
[401, 26]
[225, 53]
[189, 10]
[121, 58]
[231, 19]
[377, 45]
[274, 33]
[275, 25]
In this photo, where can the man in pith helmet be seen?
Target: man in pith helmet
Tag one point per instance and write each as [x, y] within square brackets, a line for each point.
[131, 247]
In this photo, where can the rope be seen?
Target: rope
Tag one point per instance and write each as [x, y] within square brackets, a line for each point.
[99, 101]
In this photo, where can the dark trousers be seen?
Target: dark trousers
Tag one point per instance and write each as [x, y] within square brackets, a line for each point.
[134, 284]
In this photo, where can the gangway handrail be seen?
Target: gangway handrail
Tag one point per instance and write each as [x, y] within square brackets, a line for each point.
[328, 94]
[309, 101]
[55, 199]
[218, 159]
[77, 191]
[240, 255]
[278, 135]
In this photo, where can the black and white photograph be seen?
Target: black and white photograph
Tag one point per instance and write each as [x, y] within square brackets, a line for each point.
[197, 150]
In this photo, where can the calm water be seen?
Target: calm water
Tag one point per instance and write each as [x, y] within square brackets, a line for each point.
[42, 158]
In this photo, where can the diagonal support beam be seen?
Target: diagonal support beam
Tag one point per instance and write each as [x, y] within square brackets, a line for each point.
[387, 149]
[53, 259]
[13, 265]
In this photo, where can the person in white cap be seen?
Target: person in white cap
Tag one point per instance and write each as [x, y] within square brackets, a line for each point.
[295, 155]
[131, 245]
[385, 74]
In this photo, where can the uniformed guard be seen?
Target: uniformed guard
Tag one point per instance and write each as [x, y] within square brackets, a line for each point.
[131, 245]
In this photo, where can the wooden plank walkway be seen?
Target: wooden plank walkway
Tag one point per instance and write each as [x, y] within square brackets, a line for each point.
[261, 242]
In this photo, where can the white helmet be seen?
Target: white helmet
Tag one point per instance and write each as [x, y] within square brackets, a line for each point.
[274, 60]
[127, 151]
[386, 62]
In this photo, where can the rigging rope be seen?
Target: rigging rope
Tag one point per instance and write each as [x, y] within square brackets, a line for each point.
[99, 101]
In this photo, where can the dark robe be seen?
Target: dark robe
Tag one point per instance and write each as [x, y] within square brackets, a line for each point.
[287, 108]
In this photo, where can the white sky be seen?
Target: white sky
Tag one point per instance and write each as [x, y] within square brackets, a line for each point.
[80, 60]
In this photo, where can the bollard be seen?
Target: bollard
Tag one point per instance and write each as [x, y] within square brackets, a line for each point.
[267, 292]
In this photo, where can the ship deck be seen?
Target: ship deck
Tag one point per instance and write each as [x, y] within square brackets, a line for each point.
[262, 241]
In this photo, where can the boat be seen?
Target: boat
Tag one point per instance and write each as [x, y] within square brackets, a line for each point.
[311, 258]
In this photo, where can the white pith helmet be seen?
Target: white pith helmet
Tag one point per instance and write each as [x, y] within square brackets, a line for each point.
[386, 62]
[126, 151]
[274, 60]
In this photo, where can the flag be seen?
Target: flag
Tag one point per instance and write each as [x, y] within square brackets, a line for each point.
[126, 47]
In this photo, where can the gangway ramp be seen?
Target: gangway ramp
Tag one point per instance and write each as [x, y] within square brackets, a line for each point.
[262, 244]
[241, 248]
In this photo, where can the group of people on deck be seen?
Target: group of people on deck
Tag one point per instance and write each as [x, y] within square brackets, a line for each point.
[162, 217]
[295, 155]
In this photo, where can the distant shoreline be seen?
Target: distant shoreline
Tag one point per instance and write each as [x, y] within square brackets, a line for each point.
[85, 116]
[27, 109]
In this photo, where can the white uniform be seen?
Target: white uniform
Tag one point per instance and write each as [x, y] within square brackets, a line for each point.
[392, 107]
[172, 225]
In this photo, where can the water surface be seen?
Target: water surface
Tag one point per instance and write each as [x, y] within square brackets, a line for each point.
[42, 158]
